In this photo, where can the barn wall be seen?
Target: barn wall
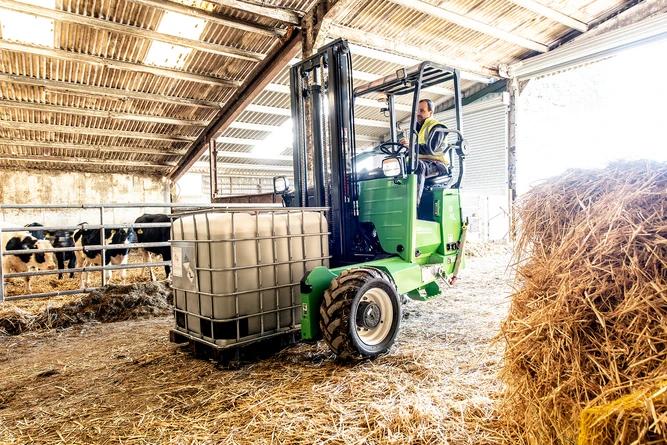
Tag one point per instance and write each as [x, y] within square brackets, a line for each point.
[72, 188]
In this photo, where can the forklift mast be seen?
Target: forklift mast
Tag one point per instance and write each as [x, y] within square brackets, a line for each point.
[322, 102]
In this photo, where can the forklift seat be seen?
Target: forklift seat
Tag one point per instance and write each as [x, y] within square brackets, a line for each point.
[438, 182]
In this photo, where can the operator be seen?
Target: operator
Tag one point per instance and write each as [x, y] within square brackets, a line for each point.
[428, 166]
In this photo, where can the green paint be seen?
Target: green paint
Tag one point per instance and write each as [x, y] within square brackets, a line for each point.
[391, 206]
[320, 279]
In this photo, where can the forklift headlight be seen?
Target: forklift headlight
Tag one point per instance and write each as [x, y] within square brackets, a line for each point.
[280, 184]
[391, 167]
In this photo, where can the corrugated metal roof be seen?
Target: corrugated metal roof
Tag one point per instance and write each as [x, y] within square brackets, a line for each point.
[91, 102]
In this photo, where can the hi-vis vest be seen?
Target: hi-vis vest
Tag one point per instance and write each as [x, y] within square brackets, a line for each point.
[425, 131]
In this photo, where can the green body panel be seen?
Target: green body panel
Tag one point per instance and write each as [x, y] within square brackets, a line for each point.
[320, 279]
[407, 276]
[429, 237]
[443, 207]
[391, 206]
[425, 248]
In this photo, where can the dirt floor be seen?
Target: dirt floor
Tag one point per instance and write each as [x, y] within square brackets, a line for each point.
[125, 383]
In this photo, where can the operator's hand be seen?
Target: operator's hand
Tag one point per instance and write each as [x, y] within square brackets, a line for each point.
[403, 141]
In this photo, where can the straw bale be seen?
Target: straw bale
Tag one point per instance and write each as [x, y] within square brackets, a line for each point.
[587, 321]
[641, 414]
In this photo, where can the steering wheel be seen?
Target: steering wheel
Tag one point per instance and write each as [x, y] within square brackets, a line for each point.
[393, 148]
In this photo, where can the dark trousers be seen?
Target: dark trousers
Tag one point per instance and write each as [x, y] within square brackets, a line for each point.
[428, 168]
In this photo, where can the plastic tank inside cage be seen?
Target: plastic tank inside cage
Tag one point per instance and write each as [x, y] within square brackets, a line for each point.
[236, 275]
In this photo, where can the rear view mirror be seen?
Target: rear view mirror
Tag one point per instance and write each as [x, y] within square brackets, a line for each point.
[392, 167]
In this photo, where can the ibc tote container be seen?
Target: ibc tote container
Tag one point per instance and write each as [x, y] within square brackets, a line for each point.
[244, 271]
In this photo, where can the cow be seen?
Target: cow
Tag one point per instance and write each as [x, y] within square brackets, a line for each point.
[58, 239]
[114, 255]
[39, 234]
[154, 235]
[23, 240]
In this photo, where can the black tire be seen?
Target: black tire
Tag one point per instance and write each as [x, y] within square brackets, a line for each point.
[360, 314]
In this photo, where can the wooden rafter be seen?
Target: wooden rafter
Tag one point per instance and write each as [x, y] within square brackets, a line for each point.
[250, 167]
[134, 31]
[30, 126]
[257, 81]
[46, 145]
[284, 89]
[282, 15]
[113, 93]
[211, 17]
[116, 64]
[552, 14]
[87, 161]
[408, 60]
[247, 155]
[385, 44]
[47, 108]
[320, 19]
[254, 127]
[469, 23]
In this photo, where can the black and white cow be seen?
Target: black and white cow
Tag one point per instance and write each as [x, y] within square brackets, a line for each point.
[63, 238]
[58, 238]
[39, 234]
[23, 262]
[114, 255]
[154, 235]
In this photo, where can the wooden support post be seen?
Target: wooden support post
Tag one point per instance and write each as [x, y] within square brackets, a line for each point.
[213, 152]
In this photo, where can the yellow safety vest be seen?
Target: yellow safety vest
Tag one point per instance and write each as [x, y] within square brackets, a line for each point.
[425, 131]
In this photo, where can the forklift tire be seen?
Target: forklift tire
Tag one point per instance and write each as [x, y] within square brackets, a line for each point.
[360, 314]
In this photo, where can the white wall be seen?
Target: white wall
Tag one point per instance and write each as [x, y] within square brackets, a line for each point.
[488, 216]
[190, 189]
[73, 188]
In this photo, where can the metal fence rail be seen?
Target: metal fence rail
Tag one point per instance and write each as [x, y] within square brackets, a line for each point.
[101, 224]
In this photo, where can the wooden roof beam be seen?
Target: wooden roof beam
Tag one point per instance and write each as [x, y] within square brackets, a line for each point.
[30, 126]
[284, 89]
[94, 148]
[48, 108]
[460, 20]
[552, 14]
[211, 17]
[254, 127]
[317, 22]
[414, 52]
[135, 31]
[116, 64]
[279, 14]
[247, 155]
[257, 81]
[86, 161]
[287, 112]
[277, 111]
[251, 167]
[113, 93]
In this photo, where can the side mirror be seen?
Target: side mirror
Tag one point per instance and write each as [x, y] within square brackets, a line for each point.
[280, 184]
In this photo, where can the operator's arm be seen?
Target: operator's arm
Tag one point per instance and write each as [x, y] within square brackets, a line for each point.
[435, 142]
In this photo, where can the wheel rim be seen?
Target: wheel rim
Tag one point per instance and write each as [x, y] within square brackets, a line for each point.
[375, 316]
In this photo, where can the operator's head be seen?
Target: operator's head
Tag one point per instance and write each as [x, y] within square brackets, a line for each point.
[425, 110]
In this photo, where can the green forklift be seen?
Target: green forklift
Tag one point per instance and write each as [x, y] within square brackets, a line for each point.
[384, 248]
